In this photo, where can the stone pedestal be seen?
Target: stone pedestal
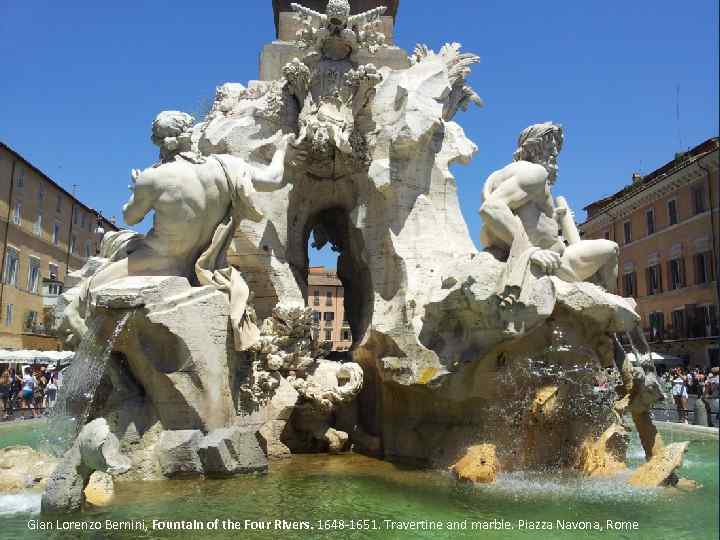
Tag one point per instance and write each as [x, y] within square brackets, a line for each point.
[178, 347]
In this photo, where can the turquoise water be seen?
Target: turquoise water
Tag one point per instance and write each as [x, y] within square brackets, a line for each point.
[316, 488]
[23, 432]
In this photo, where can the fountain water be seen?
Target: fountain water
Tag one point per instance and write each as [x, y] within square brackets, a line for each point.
[80, 381]
[549, 404]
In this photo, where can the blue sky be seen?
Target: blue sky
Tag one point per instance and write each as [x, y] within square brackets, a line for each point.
[81, 81]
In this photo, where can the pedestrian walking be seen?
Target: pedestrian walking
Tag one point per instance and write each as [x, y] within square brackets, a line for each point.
[680, 395]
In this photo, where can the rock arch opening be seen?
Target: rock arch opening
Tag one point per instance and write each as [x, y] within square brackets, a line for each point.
[331, 228]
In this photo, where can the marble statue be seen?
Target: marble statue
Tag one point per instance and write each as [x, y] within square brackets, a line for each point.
[522, 217]
[331, 86]
[478, 358]
[338, 32]
[171, 133]
[197, 204]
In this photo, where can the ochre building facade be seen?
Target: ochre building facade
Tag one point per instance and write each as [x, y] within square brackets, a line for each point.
[326, 298]
[666, 224]
[46, 233]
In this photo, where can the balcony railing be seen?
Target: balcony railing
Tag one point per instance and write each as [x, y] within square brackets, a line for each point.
[669, 333]
[38, 329]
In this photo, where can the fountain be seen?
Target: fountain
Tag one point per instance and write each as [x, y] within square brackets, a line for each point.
[197, 356]
[82, 379]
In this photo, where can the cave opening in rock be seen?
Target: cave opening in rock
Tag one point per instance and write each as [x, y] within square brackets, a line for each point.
[337, 280]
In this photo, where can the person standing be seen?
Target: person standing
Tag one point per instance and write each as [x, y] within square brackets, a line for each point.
[711, 394]
[51, 391]
[680, 395]
[28, 391]
[5, 386]
[39, 390]
[15, 386]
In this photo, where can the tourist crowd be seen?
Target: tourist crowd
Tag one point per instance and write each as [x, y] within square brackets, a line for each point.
[705, 385]
[31, 392]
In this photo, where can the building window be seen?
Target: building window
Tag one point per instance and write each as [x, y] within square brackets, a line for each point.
[20, 177]
[54, 271]
[37, 226]
[607, 235]
[650, 221]
[328, 298]
[703, 268]
[627, 229]
[41, 196]
[55, 289]
[346, 335]
[56, 234]
[328, 335]
[676, 273]
[83, 220]
[73, 241]
[703, 321]
[653, 277]
[709, 320]
[12, 267]
[328, 316]
[678, 324]
[33, 275]
[316, 298]
[672, 212]
[88, 249]
[316, 316]
[630, 284]
[75, 213]
[58, 204]
[17, 213]
[657, 323]
[31, 320]
[698, 199]
[9, 314]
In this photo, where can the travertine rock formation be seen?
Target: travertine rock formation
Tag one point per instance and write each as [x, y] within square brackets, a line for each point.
[605, 455]
[178, 453]
[478, 465]
[100, 489]
[230, 451]
[21, 468]
[660, 469]
[95, 449]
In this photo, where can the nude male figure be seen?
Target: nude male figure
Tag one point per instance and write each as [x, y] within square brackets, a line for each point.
[197, 203]
[519, 207]
[189, 200]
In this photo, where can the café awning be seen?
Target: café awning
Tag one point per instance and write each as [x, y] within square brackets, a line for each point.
[35, 357]
[667, 359]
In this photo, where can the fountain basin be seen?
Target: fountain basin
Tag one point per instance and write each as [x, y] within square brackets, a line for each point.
[324, 489]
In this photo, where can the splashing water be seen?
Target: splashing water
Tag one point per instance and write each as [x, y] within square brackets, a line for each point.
[549, 402]
[640, 348]
[80, 381]
[26, 502]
